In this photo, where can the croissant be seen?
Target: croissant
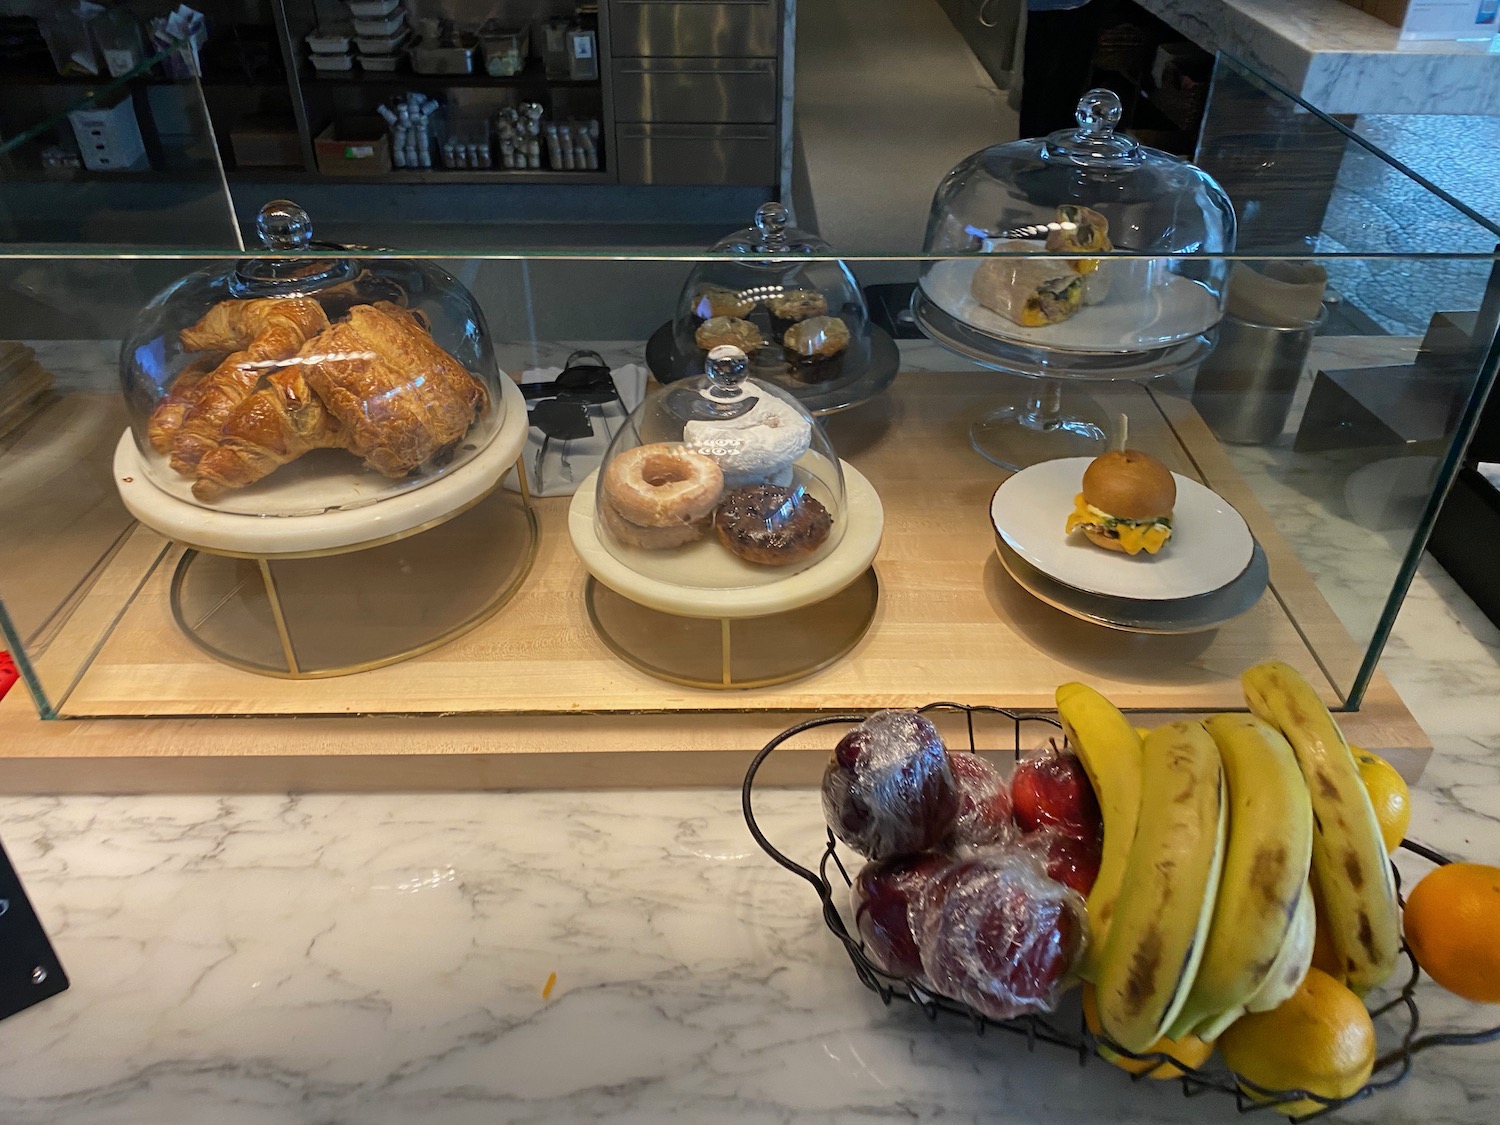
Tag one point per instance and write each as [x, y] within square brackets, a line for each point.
[278, 423]
[167, 418]
[232, 325]
[401, 398]
[284, 326]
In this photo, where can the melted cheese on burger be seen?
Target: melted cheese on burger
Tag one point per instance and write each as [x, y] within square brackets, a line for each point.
[1134, 535]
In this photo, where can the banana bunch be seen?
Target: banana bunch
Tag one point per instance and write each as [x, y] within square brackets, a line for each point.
[1223, 841]
[1351, 873]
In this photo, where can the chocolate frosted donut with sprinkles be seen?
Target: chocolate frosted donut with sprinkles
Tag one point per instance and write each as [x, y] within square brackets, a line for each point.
[772, 525]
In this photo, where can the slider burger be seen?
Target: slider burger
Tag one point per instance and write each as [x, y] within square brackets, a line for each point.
[1126, 503]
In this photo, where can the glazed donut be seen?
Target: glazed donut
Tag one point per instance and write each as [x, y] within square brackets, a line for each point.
[760, 526]
[757, 447]
[662, 485]
[648, 538]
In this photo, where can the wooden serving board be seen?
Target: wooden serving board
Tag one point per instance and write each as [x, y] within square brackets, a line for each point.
[532, 697]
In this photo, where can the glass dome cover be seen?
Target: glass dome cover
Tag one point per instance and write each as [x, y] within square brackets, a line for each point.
[720, 481]
[291, 385]
[1080, 191]
[801, 320]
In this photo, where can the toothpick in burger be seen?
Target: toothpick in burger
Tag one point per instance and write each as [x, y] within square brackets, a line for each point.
[1126, 503]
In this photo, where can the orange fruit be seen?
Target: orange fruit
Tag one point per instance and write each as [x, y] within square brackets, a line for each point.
[1452, 917]
[1188, 1050]
[1388, 793]
[1320, 1040]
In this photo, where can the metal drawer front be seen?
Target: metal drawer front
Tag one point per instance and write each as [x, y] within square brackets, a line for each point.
[695, 28]
[697, 154]
[695, 90]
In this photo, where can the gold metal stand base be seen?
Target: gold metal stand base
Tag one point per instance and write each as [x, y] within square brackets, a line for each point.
[738, 653]
[308, 618]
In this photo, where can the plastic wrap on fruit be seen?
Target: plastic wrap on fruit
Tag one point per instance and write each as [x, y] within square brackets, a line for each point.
[996, 933]
[883, 896]
[888, 789]
[984, 810]
[1070, 860]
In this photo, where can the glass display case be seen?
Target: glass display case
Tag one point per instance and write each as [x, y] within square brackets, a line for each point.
[1316, 439]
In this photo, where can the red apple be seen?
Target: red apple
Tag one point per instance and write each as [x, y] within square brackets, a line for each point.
[1051, 790]
[983, 803]
[888, 789]
[883, 894]
[999, 935]
[1072, 860]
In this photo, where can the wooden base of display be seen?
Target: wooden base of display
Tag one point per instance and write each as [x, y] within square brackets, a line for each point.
[533, 698]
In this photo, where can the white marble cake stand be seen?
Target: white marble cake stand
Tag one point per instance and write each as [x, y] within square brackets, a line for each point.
[736, 636]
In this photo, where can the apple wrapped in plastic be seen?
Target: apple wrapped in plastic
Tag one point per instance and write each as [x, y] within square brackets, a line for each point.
[995, 932]
[888, 789]
[883, 896]
[1071, 860]
[1050, 789]
[984, 808]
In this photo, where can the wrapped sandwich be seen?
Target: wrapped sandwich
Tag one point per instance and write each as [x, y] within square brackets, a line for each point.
[1033, 292]
[1082, 230]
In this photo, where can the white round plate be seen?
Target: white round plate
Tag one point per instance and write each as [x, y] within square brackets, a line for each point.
[1147, 307]
[850, 558]
[1210, 545]
[325, 527]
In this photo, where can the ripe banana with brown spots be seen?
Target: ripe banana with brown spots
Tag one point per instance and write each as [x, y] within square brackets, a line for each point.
[1264, 876]
[1110, 750]
[1158, 934]
[1350, 869]
[1295, 958]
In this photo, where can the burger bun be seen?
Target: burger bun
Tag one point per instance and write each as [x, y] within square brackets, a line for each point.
[1129, 485]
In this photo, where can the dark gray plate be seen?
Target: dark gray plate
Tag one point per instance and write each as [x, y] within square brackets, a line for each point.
[1187, 615]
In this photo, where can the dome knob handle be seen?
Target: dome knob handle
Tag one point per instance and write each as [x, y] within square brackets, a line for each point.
[283, 225]
[771, 221]
[727, 368]
[1099, 111]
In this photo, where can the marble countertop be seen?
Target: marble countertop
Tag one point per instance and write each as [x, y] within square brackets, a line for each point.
[1338, 58]
[363, 960]
[373, 959]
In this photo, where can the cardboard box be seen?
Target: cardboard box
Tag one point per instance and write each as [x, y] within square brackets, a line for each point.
[265, 144]
[109, 137]
[358, 146]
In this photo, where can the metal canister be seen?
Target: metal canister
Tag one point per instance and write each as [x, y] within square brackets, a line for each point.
[1245, 387]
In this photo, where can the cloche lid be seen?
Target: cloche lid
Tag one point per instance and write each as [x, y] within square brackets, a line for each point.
[720, 481]
[281, 386]
[801, 320]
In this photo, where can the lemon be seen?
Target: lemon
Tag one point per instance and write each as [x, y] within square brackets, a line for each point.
[1320, 1040]
[1388, 793]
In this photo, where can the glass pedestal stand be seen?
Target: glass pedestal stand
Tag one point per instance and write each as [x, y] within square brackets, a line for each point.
[1043, 414]
[1041, 420]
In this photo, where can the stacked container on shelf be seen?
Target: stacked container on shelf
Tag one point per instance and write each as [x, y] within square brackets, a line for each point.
[380, 32]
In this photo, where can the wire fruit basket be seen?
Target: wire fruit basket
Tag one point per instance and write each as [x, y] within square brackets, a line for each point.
[1397, 1015]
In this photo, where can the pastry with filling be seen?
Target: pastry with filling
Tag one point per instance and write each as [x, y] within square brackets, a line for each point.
[1031, 292]
[731, 330]
[715, 300]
